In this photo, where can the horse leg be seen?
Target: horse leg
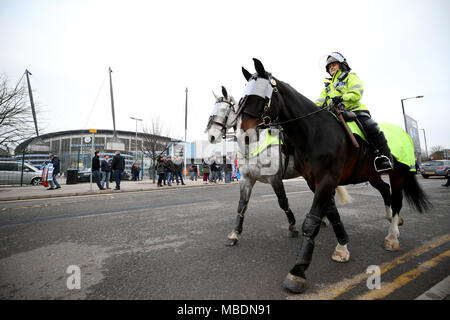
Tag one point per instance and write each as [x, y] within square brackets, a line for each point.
[278, 188]
[341, 253]
[391, 242]
[295, 281]
[385, 191]
[246, 190]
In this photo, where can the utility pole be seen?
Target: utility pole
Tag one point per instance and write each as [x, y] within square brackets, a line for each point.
[30, 93]
[425, 138]
[136, 156]
[112, 103]
[185, 132]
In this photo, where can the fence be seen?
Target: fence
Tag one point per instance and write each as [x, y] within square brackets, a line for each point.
[25, 169]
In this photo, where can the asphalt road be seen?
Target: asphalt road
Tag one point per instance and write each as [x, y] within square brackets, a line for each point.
[169, 244]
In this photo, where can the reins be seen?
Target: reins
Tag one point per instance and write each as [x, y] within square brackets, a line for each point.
[298, 118]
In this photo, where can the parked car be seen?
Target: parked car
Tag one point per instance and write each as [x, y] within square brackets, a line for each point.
[84, 175]
[435, 168]
[11, 173]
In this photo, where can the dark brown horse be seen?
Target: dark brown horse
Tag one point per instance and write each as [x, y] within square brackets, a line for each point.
[326, 158]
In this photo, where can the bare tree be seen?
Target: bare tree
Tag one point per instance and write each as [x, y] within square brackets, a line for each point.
[437, 152]
[16, 121]
[154, 144]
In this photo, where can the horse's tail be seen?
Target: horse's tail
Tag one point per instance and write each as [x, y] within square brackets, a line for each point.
[415, 194]
[343, 196]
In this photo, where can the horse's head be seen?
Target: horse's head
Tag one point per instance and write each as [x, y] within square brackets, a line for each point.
[220, 119]
[260, 103]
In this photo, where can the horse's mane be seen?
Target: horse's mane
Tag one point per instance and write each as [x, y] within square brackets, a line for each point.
[297, 95]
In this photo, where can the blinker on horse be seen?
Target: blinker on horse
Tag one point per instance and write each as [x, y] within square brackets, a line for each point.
[326, 159]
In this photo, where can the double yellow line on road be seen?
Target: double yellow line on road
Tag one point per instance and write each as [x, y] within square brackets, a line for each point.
[405, 278]
[337, 289]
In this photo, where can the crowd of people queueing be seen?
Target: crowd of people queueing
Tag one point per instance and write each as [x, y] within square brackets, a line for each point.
[213, 170]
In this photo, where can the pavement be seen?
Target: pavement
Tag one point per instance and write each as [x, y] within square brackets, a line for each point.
[10, 193]
[168, 243]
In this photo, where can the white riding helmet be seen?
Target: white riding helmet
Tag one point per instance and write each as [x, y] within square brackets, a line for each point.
[337, 57]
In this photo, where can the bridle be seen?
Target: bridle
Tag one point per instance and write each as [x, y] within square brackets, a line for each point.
[268, 119]
[219, 120]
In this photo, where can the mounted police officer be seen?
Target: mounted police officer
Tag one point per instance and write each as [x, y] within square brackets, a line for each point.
[344, 88]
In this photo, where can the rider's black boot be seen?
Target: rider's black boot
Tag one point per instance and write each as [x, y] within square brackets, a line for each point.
[384, 161]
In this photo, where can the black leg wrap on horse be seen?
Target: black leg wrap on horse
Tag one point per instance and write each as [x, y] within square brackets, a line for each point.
[240, 217]
[338, 227]
[305, 254]
[242, 207]
[239, 223]
[284, 204]
[340, 233]
[310, 228]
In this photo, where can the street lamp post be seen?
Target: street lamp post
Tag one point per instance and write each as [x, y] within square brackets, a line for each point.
[403, 109]
[135, 156]
[425, 139]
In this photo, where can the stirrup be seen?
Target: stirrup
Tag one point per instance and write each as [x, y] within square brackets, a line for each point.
[381, 156]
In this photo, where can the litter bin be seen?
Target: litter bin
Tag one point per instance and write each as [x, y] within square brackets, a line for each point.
[72, 176]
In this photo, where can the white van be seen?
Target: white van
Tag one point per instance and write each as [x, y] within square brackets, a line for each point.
[11, 173]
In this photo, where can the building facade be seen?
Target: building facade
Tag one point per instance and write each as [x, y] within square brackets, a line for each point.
[75, 147]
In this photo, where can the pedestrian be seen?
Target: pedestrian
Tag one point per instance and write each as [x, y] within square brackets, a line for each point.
[179, 165]
[228, 168]
[213, 170]
[134, 172]
[220, 168]
[448, 180]
[117, 165]
[95, 169]
[56, 170]
[105, 167]
[161, 170]
[170, 170]
[206, 171]
[193, 172]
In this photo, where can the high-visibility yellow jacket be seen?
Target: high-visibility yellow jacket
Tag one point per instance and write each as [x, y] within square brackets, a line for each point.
[346, 85]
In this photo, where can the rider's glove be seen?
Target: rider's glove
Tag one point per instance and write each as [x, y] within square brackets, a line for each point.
[337, 100]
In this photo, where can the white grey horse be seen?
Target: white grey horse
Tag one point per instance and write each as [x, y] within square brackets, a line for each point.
[218, 124]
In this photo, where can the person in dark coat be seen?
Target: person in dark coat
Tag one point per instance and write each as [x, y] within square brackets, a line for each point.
[206, 170]
[95, 168]
[105, 167]
[160, 168]
[135, 172]
[56, 170]
[118, 165]
[214, 169]
[194, 172]
[170, 170]
[228, 168]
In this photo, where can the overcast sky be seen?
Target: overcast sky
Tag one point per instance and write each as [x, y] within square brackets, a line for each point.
[156, 49]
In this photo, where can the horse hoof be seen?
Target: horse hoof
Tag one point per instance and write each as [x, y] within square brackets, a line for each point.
[231, 242]
[400, 221]
[293, 234]
[391, 245]
[340, 256]
[294, 284]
